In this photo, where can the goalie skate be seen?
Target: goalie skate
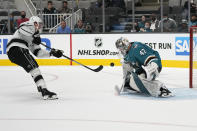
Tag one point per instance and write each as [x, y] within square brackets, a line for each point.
[165, 93]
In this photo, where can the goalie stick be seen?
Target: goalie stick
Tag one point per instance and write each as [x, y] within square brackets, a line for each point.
[119, 91]
[95, 70]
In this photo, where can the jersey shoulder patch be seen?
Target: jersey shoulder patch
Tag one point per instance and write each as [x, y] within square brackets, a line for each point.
[135, 46]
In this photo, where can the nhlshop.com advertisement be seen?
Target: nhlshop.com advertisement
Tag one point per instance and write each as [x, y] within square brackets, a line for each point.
[93, 46]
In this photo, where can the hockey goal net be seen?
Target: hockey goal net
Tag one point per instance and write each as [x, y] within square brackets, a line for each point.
[193, 58]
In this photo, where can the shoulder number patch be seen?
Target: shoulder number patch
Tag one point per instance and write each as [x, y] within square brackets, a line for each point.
[142, 52]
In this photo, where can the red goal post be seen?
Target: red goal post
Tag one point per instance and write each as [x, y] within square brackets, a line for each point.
[193, 58]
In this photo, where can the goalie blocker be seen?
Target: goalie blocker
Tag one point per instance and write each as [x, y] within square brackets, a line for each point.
[141, 67]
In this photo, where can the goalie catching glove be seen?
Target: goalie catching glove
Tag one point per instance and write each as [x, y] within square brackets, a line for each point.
[56, 53]
[151, 71]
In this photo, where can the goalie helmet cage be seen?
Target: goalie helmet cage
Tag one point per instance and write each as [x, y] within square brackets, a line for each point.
[193, 58]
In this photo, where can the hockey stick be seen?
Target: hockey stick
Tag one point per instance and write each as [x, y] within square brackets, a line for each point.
[95, 70]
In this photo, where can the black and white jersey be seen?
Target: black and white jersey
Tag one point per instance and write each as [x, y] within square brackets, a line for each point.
[23, 38]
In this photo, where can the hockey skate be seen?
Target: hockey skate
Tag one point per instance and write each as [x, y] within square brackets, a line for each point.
[47, 95]
[165, 92]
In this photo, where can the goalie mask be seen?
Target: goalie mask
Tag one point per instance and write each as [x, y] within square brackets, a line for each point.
[122, 45]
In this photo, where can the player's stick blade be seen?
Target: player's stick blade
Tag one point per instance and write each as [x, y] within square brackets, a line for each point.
[99, 68]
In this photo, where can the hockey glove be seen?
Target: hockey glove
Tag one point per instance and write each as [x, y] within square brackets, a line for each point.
[56, 53]
[37, 40]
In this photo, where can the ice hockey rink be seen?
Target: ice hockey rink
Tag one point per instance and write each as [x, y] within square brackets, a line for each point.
[87, 102]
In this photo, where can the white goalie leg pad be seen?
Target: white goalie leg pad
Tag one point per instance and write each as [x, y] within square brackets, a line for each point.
[153, 87]
[151, 71]
[140, 84]
[126, 67]
[137, 84]
[133, 84]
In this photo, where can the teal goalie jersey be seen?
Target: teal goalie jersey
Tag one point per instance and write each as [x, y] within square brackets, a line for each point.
[140, 54]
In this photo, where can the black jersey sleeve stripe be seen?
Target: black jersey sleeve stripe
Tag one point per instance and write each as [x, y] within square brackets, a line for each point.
[23, 25]
[36, 51]
[149, 59]
[26, 31]
[17, 40]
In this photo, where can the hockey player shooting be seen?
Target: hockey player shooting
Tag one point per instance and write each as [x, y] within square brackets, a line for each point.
[141, 67]
[25, 39]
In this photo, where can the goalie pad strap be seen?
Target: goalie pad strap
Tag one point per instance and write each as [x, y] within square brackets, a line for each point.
[139, 84]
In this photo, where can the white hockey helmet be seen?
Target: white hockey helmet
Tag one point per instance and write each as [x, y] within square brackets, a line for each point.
[36, 19]
[122, 45]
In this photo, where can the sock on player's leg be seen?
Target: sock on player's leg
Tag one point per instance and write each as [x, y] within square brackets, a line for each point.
[41, 85]
[38, 79]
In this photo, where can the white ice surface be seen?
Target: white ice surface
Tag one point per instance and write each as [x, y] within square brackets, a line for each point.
[87, 102]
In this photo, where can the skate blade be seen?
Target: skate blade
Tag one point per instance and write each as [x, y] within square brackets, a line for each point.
[50, 98]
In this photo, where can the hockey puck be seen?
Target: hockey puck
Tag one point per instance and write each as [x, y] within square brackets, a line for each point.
[112, 64]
